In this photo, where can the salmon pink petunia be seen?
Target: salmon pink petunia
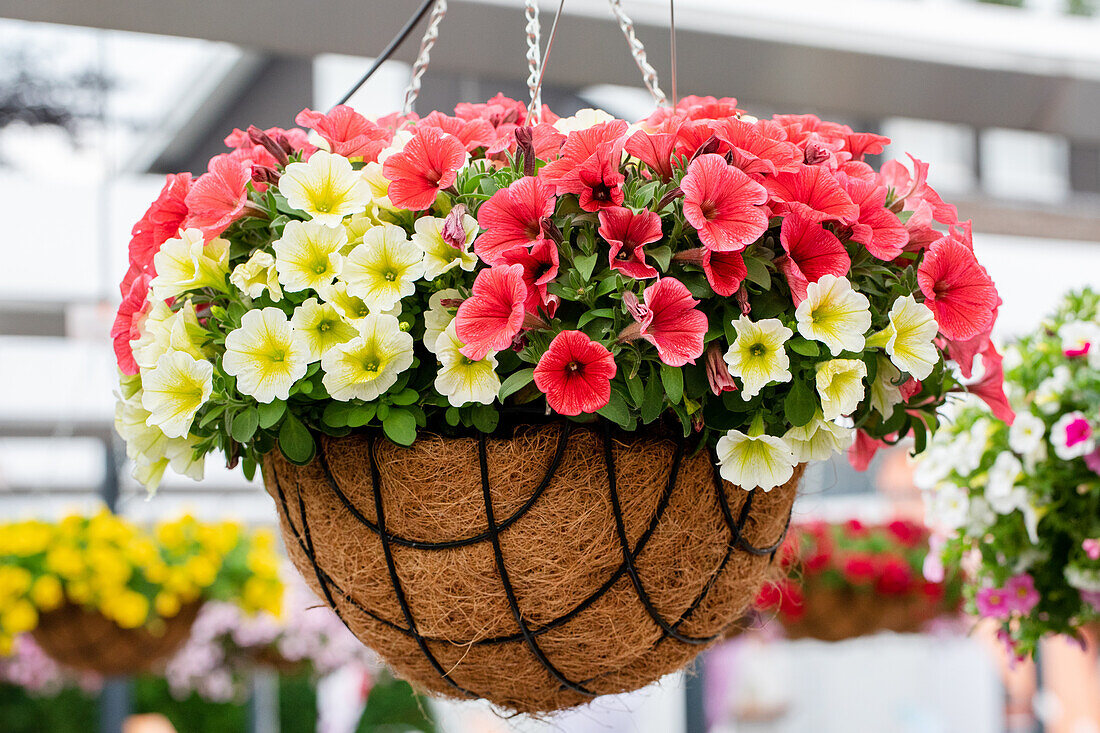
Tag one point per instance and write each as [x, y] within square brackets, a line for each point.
[755, 153]
[862, 450]
[579, 146]
[161, 222]
[723, 204]
[540, 267]
[428, 164]
[575, 374]
[655, 150]
[669, 320]
[347, 132]
[957, 289]
[628, 233]
[991, 387]
[812, 191]
[913, 189]
[218, 197]
[725, 271]
[876, 228]
[512, 217]
[127, 321]
[474, 133]
[493, 314]
[812, 252]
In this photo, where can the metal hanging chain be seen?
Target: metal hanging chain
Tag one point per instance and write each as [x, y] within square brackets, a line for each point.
[672, 47]
[537, 91]
[431, 35]
[534, 59]
[637, 50]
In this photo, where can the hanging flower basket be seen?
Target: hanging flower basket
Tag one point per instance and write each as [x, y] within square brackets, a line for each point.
[849, 580]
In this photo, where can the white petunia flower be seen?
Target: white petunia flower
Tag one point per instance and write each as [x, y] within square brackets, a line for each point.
[370, 363]
[438, 316]
[165, 330]
[321, 327]
[751, 462]
[401, 138]
[150, 449]
[325, 187]
[378, 184]
[307, 256]
[1048, 396]
[582, 120]
[840, 386]
[909, 340]
[981, 517]
[174, 390]
[819, 439]
[384, 268]
[349, 306]
[461, 379]
[1079, 338]
[757, 356]
[439, 255]
[266, 355]
[1086, 579]
[187, 263]
[1001, 483]
[256, 275]
[1026, 434]
[834, 314]
[885, 390]
[947, 507]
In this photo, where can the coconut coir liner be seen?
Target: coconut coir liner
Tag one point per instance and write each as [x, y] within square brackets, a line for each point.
[569, 622]
[87, 640]
[832, 614]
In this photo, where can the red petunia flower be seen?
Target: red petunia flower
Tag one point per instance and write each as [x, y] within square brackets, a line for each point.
[725, 271]
[859, 144]
[347, 132]
[492, 316]
[963, 352]
[991, 387]
[575, 374]
[512, 218]
[910, 534]
[862, 450]
[895, 577]
[217, 198]
[876, 228]
[718, 374]
[579, 146]
[161, 222]
[540, 267]
[474, 134]
[957, 289]
[598, 182]
[914, 189]
[668, 320]
[812, 252]
[125, 328]
[812, 191]
[859, 569]
[627, 233]
[754, 152]
[428, 164]
[288, 141]
[653, 149]
[723, 204]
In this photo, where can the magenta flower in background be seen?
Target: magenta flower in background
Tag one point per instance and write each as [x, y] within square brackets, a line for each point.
[1091, 548]
[1021, 593]
[993, 603]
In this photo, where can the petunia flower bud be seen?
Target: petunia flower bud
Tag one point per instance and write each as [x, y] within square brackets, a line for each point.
[453, 232]
[525, 145]
[259, 137]
[263, 174]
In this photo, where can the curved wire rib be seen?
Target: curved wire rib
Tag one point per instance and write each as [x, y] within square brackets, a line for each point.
[506, 583]
[723, 503]
[551, 470]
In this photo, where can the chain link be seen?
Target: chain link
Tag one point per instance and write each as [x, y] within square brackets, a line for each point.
[431, 35]
[637, 50]
[534, 59]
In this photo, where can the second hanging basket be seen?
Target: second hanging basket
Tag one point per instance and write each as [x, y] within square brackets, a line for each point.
[536, 571]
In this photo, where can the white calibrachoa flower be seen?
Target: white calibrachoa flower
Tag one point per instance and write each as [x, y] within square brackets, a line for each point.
[308, 255]
[174, 390]
[834, 314]
[257, 275]
[384, 268]
[819, 439]
[1072, 436]
[1025, 436]
[321, 327]
[840, 386]
[370, 363]
[1003, 475]
[266, 355]
[1048, 396]
[1079, 338]
[438, 316]
[909, 339]
[755, 461]
[187, 263]
[947, 506]
[885, 390]
[165, 330]
[582, 120]
[757, 356]
[325, 187]
[150, 449]
[461, 379]
[439, 255]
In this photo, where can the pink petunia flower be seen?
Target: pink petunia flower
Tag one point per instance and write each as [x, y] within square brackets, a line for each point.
[428, 164]
[598, 182]
[876, 228]
[125, 329]
[474, 134]
[218, 197]
[813, 192]
[914, 190]
[862, 450]
[575, 374]
[725, 271]
[991, 387]
[725, 205]
[493, 314]
[653, 149]
[579, 147]
[993, 603]
[957, 289]
[540, 267]
[668, 320]
[1021, 593]
[347, 132]
[512, 217]
[627, 233]
[1091, 548]
[812, 252]
[756, 153]
[161, 222]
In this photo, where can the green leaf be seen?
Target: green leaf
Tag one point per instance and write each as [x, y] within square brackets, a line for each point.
[607, 285]
[586, 264]
[211, 416]
[758, 272]
[616, 410]
[245, 424]
[486, 418]
[453, 416]
[653, 399]
[673, 381]
[662, 256]
[804, 347]
[336, 414]
[515, 382]
[593, 314]
[636, 389]
[405, 397]
[271, 413]
[801, 403]
[295, 441]
[360, 415]
[400, 426]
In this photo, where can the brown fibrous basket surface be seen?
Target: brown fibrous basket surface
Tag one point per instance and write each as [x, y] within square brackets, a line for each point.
[514, 570]
[87, 640]
[835, 614]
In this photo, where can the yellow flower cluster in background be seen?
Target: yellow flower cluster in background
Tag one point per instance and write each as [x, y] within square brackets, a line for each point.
[133, 575]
